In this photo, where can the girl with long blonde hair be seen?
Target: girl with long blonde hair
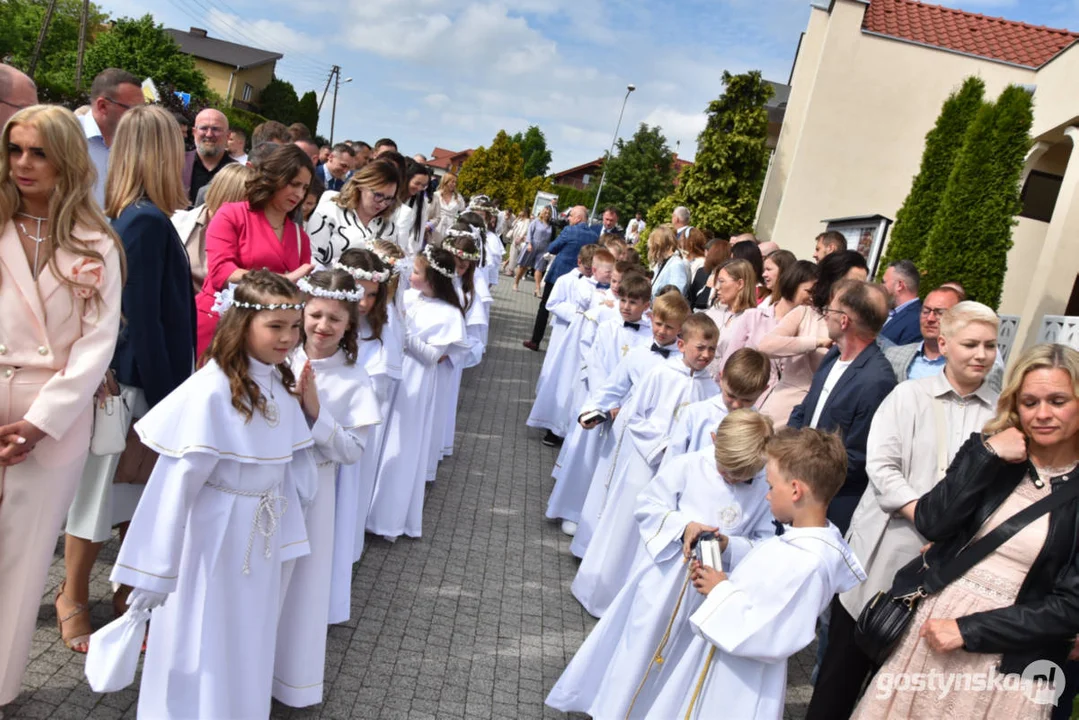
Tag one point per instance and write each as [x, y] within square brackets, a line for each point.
[61, 274]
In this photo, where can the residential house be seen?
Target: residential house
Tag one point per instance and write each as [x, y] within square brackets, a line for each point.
[582, 176]
[237, 73]
[444, 161]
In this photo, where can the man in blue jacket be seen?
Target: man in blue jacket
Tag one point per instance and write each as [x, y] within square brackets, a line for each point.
[903, 325]
[565, 249]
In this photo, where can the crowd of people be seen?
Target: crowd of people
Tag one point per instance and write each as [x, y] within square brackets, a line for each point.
[246, 353]
[246, 358]
[757, 449]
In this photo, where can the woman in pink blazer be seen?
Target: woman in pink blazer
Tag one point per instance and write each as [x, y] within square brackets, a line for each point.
[61, 272]
[257, 233]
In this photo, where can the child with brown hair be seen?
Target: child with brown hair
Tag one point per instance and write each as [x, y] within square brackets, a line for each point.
[621, 665]
[666, 389]
[765, 610]
[222, 511]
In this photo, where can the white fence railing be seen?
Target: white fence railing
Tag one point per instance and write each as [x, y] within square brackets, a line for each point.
[1062, 329]
[1009, 325]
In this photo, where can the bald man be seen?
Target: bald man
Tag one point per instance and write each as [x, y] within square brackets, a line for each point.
[210, 153]
[310, 148]
[565, 248]
[17, 91]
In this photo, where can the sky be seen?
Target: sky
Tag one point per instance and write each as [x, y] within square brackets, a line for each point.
[452, 73]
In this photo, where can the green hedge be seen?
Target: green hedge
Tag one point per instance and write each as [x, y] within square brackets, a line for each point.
[243, 119]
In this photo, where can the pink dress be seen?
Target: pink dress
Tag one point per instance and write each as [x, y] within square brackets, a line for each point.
[991, 584]
[747, 331]
[793, 341]
[240, 238]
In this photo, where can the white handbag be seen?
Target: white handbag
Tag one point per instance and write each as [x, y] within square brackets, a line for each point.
[113, 655]
[112, 420]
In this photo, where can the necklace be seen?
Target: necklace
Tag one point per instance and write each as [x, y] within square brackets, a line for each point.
[271, 411]
[38, 238]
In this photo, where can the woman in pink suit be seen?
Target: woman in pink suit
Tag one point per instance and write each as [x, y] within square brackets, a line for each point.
[257, 233]
[800, 340]
[61, 271]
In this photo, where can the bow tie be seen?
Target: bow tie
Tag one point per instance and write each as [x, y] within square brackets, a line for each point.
[634, 325]
[665, 352]
[603, 286]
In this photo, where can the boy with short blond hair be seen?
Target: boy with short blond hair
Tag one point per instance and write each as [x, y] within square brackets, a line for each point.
[765, 610]
[655, 406]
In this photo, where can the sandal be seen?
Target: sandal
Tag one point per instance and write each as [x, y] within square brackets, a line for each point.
[80, 641]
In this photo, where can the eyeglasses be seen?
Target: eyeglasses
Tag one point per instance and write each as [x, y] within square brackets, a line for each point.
[11, 104]
[381, 199]
[210, 129]
[938, 313]
[125, 106]
[827, 310]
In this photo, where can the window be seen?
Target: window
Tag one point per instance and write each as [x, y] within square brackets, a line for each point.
[586, 180]
[1040, 195]
[248, 92]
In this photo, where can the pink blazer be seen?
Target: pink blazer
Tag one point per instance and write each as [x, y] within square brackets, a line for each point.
[793, 341]
[240, 238]
[55, 338]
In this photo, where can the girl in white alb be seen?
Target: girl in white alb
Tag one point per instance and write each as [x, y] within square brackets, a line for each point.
[435, 323]
[221, 513]
[336, 394]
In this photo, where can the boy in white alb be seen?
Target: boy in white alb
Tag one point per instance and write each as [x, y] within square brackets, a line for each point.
[553, 408]
[613, 341]
[580, 493]
[607, 563]
[744, 379]
[766, 610]
[564, 304]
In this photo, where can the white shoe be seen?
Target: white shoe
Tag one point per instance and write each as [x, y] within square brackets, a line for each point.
[569, 527]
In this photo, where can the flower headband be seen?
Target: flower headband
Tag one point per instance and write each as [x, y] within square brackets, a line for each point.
[434, 265]
[470, 257]
[226, 299]
[378, 276]
[345, 295]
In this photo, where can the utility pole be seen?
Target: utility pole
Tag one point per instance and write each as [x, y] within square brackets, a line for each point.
[334, 71]
[41, 37]
[84, 16]
[336, 84]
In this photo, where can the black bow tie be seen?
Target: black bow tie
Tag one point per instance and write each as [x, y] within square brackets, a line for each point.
[603, 286]
[665, 352]
[634, 325]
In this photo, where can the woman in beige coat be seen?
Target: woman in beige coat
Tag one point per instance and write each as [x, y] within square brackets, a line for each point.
[61, 271]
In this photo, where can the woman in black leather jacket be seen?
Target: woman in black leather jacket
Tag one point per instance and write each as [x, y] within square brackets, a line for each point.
[1021, 603]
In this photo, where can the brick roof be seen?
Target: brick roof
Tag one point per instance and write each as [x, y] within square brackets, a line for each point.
[981, 35]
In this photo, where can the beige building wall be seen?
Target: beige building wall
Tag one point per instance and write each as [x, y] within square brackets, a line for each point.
[1029, 238]
[871, 102]
[218, 75]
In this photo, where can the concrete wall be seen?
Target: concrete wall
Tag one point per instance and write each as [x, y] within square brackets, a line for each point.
[858, 123]
[1029, 238]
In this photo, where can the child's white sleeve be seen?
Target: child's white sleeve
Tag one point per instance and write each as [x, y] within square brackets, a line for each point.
[150, 555]
[762, 528]
[659, 519]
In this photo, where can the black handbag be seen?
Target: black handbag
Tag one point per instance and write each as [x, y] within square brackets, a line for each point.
[885, 617]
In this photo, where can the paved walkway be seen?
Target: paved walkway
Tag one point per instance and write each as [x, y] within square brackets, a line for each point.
[474, 621]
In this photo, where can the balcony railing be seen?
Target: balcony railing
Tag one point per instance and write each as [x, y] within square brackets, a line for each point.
[1062, 329]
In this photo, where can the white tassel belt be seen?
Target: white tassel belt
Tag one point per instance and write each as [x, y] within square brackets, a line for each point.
[268, 512]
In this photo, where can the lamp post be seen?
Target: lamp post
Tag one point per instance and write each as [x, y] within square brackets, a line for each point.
[333, 113]
[599, 191]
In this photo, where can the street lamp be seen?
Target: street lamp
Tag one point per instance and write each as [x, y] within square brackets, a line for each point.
[629, 88]
[333, 113]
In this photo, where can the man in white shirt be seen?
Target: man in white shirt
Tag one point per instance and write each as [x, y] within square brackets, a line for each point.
[237, 142]
[336, 171]
[112, 93]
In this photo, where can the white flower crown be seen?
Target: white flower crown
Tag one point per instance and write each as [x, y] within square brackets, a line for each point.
[471, 257]
[226, 299]
[434, 265]
[378, 276]
[345, 295]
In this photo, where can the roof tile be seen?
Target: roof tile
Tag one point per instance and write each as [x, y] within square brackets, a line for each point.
[982, 35]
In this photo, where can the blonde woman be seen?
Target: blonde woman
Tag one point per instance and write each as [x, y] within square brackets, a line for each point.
[156, 349]
[446, 205]
[668, 265]
[537, 238]
[736, 292]
[226, 187]
[61, 271]
[358, 215]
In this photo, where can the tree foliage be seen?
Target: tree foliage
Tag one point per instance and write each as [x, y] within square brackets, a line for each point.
[569, 196]
[307, 111]
[641, 172]
[498, 172]
[723, 185]
[537, 158]
[278, 101]
[145, 50]
[20, 23]
[972, 230]
[915, 218]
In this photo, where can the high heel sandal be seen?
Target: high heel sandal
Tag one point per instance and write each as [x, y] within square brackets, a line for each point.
[82, 639]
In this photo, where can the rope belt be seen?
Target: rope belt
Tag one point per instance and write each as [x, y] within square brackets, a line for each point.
[268, 512]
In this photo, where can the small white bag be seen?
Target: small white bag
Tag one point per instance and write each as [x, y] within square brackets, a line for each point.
[112, 419]
[113, 655]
